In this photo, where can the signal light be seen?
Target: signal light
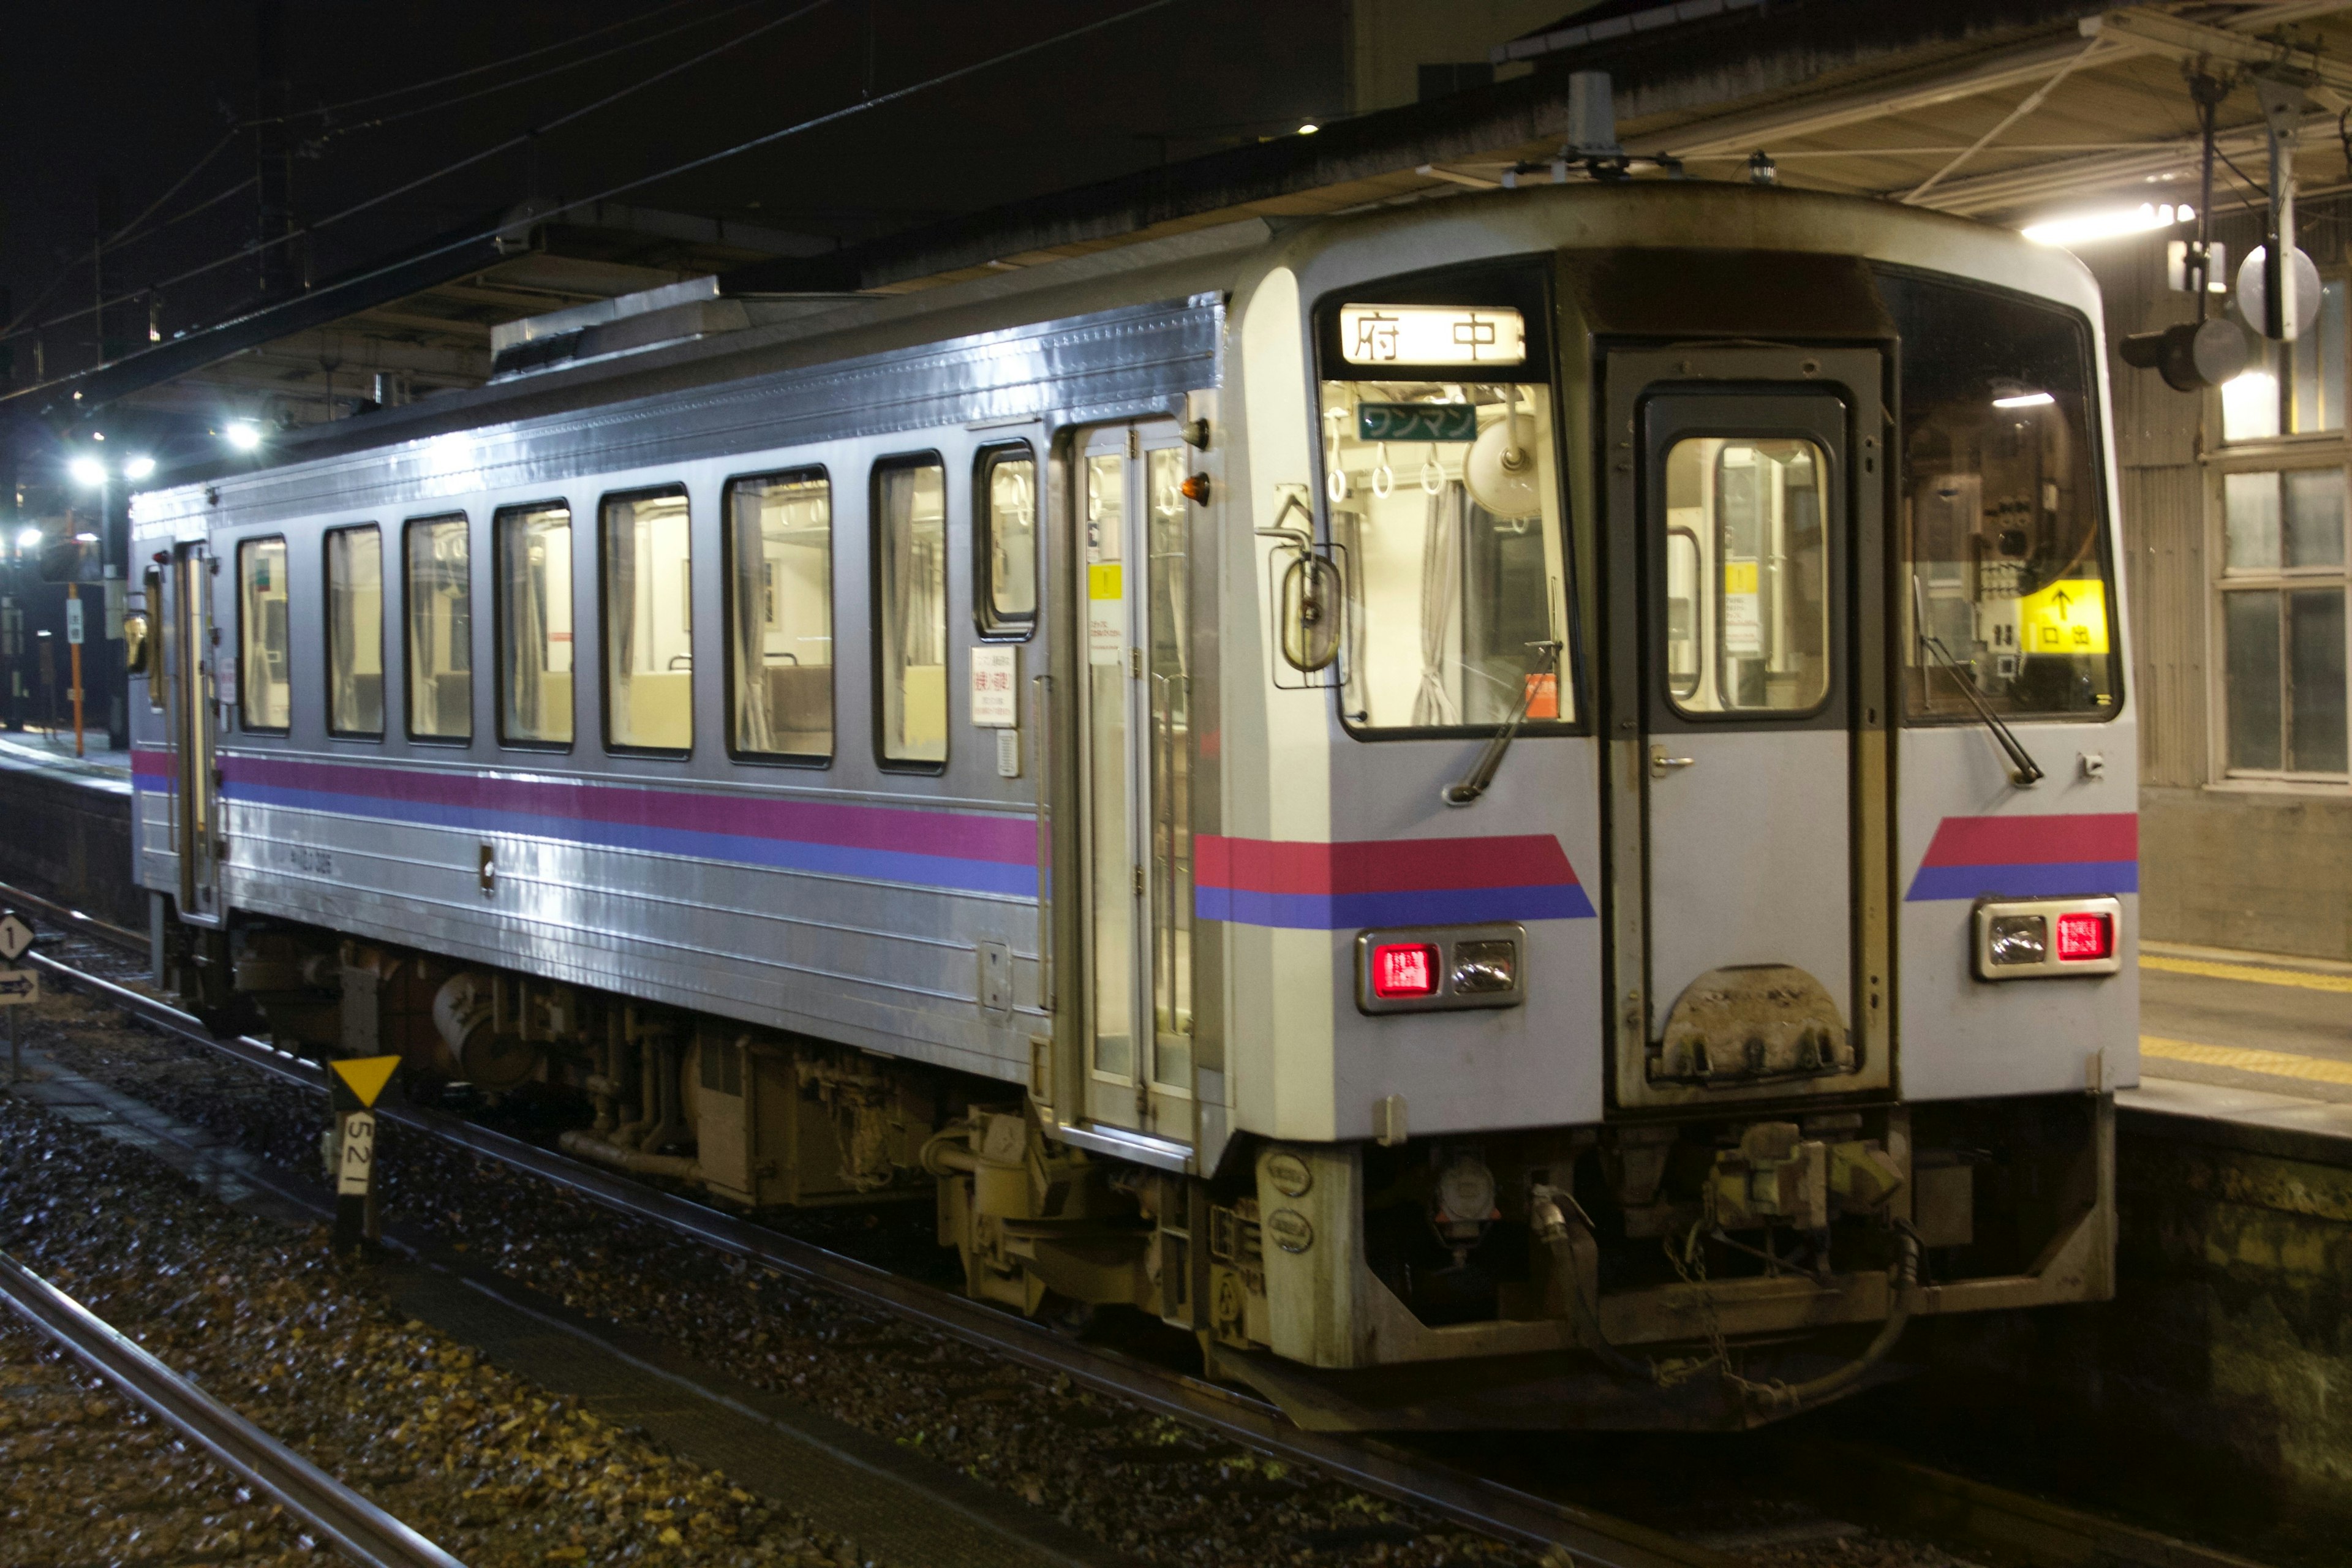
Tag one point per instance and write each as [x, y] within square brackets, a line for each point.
[2084, 936]
[1404, 969]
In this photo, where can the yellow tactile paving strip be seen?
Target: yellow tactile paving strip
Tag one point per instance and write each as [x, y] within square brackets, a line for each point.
[2211, 969]
[2275, 1064]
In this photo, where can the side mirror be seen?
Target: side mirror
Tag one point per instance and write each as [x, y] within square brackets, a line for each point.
[138, 650]
[1310, 613]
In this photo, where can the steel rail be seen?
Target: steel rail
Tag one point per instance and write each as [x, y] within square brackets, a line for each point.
[351, 1522]
[2061, 1535]
[1486, 1506]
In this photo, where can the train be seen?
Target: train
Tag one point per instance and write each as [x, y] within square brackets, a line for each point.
[1514, 812]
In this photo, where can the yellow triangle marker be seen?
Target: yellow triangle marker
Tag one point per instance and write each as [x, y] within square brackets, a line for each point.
[366, 1076]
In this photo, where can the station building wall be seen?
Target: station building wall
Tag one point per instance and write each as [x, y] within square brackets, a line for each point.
[2236, 852]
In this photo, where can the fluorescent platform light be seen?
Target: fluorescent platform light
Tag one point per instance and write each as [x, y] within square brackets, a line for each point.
[243, 435]
[2024, 400]
[2085, 228]
[85, 471]
[139, 467]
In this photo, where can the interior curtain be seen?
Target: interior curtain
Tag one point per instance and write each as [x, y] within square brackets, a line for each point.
[343, 636]
[527, 652]
[1441, 595]
[755, 724]
[897, 567]
[622, 529]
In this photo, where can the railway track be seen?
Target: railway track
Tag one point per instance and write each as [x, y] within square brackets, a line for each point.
[365, 1531]
[2015, 1527]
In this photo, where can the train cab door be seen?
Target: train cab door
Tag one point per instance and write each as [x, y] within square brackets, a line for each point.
[193, 717]
[1749, 884]
[1134, 747]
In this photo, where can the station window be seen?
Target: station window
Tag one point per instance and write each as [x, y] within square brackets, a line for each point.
[2283, 650]
[910, 619]
[780, 603]
[534, 556]
[355, 633]
[440, 599]
[265, 691]
[648, 623]
[2010, 595]
[2291, 389]
[1004, 557]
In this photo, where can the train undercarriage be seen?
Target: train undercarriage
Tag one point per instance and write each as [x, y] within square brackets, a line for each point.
[1706, 1271]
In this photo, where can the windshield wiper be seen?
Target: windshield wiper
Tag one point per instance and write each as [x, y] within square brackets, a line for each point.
[1546, 662]
[2023, 768]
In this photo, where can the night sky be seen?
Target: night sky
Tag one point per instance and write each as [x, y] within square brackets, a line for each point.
[109, 104]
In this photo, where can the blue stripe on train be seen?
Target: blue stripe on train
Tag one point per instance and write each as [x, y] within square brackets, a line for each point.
[2045, 879]
[1423, 907]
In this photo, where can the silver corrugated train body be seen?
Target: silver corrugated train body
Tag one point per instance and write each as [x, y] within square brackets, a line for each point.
[1440, 786]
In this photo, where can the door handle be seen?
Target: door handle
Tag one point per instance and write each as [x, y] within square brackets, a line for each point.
[1661, 763]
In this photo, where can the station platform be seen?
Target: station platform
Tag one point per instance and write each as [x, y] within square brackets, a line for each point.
[52, 752]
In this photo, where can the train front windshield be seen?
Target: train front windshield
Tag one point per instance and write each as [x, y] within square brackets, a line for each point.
[1444, 500]
[2010, 578]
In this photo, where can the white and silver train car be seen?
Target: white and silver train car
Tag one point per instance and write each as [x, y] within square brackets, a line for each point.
[1518, 812]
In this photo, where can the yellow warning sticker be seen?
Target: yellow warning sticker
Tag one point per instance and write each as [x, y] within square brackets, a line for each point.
[2070, 616]
[1739, 577]
[1103, 580]
[366, 1076]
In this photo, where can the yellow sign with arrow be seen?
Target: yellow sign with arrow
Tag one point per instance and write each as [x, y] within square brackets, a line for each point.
[2069, 616]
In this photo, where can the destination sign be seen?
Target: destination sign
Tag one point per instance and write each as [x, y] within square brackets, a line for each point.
[1431, 334]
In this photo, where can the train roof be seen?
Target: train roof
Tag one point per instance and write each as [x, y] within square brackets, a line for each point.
[684, 337]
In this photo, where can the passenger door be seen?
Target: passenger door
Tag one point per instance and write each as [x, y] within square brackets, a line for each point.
[1134, 776]
[194, 677]
[1761, 804]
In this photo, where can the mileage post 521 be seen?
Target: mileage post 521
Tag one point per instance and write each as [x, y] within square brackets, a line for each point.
[353, 1086]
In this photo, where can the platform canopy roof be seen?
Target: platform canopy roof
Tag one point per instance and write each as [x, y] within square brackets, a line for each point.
[2001, 110]
[425, 318]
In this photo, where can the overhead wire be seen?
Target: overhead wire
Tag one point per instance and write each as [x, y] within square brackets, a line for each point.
[125, 235]
[705, 160]
[491, 66]
[438, 104]
[245, 252]
[119, 236]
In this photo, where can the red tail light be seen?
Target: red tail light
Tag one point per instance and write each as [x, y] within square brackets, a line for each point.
[1404, 969]
[2084, 936]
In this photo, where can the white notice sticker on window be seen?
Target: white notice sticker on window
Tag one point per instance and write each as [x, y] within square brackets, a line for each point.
[995, 678]
[1106, 613]
[1743, 620]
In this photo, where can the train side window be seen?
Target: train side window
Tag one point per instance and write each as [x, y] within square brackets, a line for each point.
[779, 617]
[1748, 573]
[2005, 518]
[355, 633]
[534, 606]
[265, 688]
[910, 619]
[648, 623]
[1004, 556]
[439, 594]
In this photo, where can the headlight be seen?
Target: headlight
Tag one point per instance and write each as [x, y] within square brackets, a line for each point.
[2038, 939]
[2019, 939]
